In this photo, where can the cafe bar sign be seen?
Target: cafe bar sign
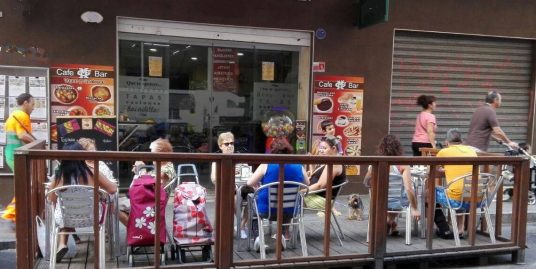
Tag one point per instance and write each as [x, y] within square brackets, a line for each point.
[80, 90]
[339, 99]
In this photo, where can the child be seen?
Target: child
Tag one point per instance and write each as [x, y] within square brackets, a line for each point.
[328, 128]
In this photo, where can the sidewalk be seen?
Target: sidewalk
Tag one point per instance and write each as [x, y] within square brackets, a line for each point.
[7, 235]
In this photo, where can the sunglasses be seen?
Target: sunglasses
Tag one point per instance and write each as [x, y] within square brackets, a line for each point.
[227, 144]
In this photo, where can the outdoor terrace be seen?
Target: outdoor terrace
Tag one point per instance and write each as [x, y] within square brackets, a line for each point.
[322, 245]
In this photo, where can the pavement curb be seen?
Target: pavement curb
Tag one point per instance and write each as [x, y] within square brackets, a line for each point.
[7, 245]
[7, 235]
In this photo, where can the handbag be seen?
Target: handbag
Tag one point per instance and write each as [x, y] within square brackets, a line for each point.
[41, 241]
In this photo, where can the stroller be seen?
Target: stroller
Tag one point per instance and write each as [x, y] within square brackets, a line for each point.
[192, 230]
[141, 222]
[508, 176]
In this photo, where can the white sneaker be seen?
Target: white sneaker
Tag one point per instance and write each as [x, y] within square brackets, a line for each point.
[257, 244]
[243, 234]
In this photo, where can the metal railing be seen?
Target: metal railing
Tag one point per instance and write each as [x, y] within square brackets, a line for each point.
[30, 174]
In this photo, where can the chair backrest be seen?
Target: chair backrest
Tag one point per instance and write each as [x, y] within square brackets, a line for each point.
[75, 203]
[292, 196]
[493, 189]
[338, 189]
[396, 184]
[482, 191]
[187, 172]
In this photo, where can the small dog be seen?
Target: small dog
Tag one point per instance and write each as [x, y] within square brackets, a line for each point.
[355, 207]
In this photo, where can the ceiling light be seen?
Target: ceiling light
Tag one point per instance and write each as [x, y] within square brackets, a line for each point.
[240, 54]
[175, 52]
[194, 58]
[153, 49]
[91, 17]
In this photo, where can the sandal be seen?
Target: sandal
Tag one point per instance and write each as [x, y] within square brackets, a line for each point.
[61, 253]
[394, 231]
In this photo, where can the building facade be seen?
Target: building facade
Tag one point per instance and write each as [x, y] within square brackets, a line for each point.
[455, 50]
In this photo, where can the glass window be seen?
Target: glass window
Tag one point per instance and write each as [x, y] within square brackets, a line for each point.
[130, 58]
[190, 93]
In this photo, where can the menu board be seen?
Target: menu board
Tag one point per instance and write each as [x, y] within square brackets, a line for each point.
[82, 90]
[2, 84]
[17, 85]
[14, 81]
[301, 137]
[225, 69]
[340, 100]
[103, 130]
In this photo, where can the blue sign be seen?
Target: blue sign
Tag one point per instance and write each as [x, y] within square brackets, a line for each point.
[320, 33]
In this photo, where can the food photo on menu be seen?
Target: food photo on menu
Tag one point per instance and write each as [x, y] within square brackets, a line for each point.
[353, 148]
[65, 94]
[342, 121]
[323, 105]
[77, 111]
[352, 130]
[102, 110]
[351, 102]
[101, 93]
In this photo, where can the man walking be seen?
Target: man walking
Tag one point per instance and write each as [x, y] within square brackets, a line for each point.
[18, 129]
[484, 124]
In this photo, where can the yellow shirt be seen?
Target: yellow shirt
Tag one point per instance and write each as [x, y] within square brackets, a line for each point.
[453, 171]
[14, 128]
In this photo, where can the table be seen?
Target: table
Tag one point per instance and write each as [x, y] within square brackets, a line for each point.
[243, 172]
[419, 176]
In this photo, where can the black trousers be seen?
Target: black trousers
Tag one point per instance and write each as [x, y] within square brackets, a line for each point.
[441, 221]
[416, 145]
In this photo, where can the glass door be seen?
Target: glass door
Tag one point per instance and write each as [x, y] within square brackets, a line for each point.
[190, 91]
[190, 98]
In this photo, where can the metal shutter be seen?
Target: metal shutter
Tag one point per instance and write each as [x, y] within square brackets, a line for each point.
[459, 70]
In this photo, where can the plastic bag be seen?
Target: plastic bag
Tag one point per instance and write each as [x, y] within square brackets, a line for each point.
[41, 241]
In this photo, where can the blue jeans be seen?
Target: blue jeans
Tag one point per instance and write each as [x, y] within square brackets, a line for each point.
[441, 199]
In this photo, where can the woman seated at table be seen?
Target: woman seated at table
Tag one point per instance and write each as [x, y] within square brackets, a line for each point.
[89, 145]
[167, 173]
[390, 146]
[268, 173]
[226, 144]
[319, 177]
[74, 172]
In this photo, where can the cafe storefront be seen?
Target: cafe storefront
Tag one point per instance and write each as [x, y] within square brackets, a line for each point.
[190, 82]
